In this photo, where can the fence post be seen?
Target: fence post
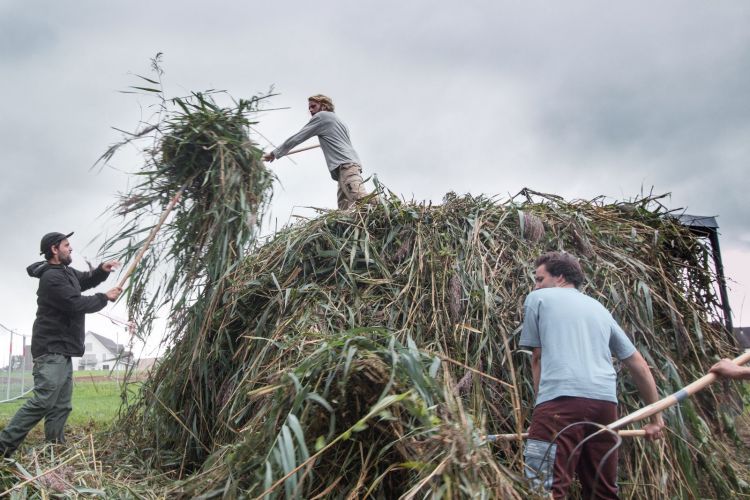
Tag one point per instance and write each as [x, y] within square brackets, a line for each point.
[10, 366]
[23, 365]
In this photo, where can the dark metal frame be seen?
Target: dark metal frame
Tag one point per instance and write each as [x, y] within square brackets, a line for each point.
[707, 227]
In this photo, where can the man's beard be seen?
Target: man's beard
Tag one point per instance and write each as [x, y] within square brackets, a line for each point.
[66, 260]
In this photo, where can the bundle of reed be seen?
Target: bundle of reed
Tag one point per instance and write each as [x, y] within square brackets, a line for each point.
[368, 352]
[204, 175]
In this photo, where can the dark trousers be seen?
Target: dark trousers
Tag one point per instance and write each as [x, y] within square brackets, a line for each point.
[53, 390]
[545, 458]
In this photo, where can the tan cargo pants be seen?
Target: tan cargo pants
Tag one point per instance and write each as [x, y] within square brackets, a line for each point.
[351, 186]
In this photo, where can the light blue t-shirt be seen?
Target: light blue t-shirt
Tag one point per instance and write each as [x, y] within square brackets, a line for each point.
[578, 337]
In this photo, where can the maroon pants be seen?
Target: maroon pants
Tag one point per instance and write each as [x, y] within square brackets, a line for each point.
[543, 454]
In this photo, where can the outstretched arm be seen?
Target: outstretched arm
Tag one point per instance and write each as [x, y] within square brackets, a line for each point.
[314, 127]
[65, 297]
[725, 368]
[644, 381]
[90, 279]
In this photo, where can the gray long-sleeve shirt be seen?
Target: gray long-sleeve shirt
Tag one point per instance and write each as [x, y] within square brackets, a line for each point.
[333, 136]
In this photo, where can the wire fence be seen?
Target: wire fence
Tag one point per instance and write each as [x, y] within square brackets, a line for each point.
[16, 379]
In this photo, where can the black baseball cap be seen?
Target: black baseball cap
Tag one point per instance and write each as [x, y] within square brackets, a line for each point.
[51, 239]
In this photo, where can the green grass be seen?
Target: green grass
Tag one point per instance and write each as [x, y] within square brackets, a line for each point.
[96, 399]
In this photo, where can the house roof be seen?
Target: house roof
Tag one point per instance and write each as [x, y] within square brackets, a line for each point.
[107, 343]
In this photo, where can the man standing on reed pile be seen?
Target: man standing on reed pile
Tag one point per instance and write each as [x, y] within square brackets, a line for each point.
[343, 162]
[58, 335]
[573, 338]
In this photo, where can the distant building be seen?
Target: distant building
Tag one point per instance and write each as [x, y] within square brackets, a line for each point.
[102, 354]
[146, 364]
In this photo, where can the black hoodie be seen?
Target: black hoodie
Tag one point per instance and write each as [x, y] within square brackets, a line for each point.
[60, 316]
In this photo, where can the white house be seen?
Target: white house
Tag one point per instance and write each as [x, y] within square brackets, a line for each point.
[102, 354]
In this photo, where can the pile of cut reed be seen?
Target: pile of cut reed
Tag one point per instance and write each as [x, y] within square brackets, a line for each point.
[367, 352]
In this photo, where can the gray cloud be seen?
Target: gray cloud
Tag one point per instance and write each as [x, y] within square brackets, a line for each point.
[24, 35]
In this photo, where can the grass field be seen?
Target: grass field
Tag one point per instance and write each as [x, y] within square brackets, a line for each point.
[96, 400]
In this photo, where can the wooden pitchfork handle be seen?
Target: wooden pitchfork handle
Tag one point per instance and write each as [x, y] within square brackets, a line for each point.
[676, 397]
[151, 236]
[299, 150]
[514, 436]
[649, 410]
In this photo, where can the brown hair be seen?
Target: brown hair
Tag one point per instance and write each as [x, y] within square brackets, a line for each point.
[326, 104]
[48, 251]
[562, 264]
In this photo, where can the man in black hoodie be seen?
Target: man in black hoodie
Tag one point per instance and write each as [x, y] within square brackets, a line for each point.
[58, 334]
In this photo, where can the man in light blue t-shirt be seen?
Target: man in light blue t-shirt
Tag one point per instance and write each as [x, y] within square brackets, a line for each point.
[573, 338]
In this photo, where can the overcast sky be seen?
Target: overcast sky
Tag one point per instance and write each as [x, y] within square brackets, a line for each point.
[575, 98]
